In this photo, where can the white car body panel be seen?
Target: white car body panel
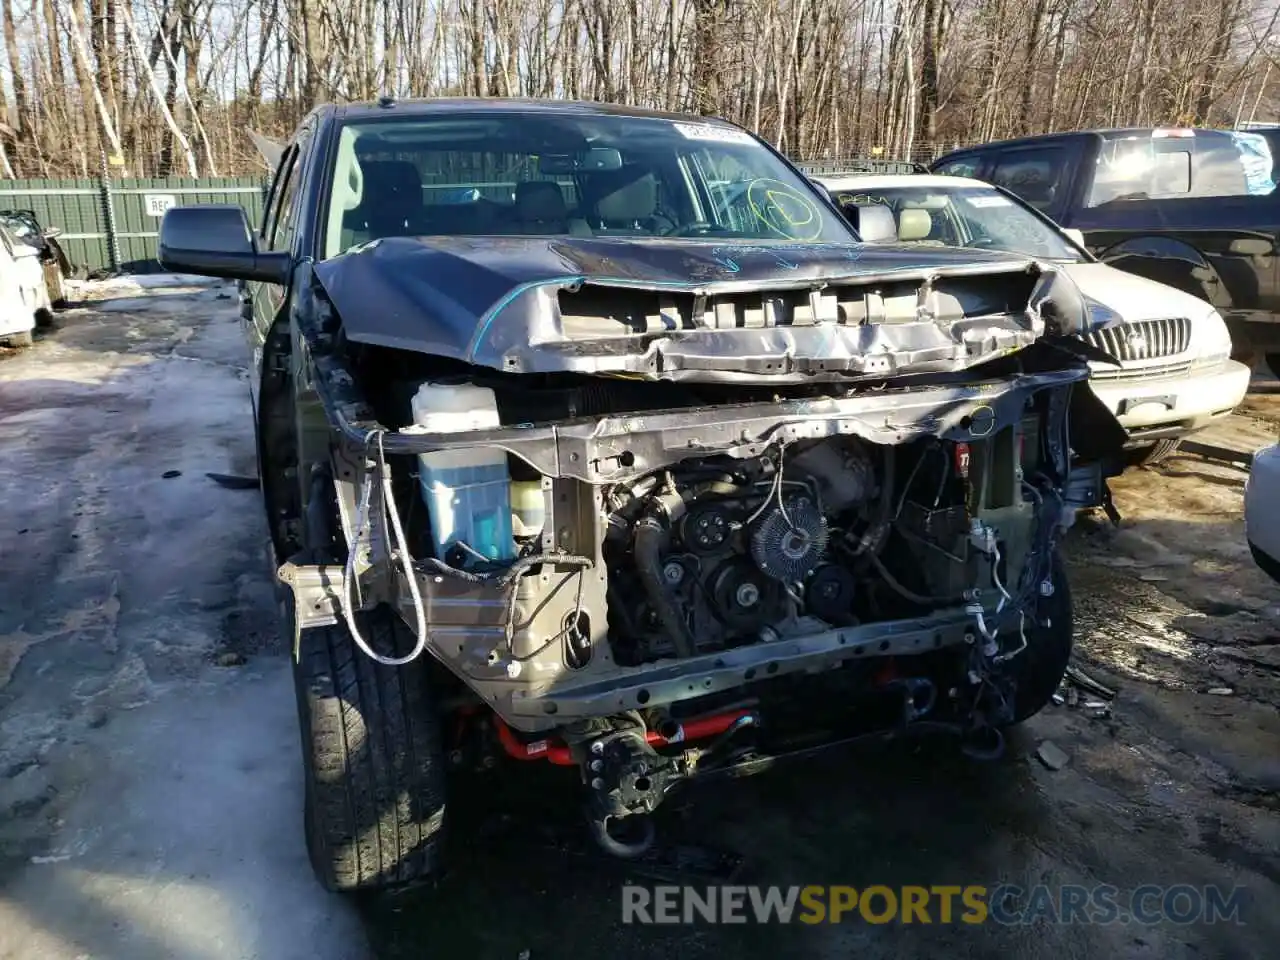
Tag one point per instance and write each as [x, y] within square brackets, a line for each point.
[22, 287]
[1157, 392]
[1262, 509]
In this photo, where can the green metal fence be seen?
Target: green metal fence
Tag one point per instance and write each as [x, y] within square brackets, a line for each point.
[113, 224]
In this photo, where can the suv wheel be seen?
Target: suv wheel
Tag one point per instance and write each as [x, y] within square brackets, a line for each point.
[371, 754]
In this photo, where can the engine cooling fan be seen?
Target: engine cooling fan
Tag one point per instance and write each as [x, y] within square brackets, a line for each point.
[789, 539]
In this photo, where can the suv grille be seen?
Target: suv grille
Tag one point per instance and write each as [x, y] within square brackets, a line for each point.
[1145, 339]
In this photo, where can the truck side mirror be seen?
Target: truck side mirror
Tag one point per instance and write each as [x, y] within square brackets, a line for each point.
[215, 240]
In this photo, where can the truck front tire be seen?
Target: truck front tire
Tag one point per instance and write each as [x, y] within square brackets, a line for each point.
[372, 758]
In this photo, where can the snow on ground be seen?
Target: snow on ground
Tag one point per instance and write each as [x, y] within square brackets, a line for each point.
[116, 286]
[149, 798]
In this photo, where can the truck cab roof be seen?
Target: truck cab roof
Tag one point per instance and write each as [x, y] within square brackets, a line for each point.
[428, 106]
[1105, 133]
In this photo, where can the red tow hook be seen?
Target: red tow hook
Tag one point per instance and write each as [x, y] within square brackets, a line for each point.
[671, 732]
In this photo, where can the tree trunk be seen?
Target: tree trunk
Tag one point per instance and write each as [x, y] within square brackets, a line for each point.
[1228, 20]
[161, 99]
[88, 88]
[1030, 63]
[20, 102]
[931, 40]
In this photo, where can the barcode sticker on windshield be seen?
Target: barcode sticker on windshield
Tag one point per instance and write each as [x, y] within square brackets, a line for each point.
[707, 131]
[990, 200]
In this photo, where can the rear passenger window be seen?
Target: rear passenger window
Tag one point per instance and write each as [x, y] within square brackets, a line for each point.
[960, 167]
[1034, 175]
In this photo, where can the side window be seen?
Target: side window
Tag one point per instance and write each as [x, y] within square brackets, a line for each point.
[273, 194]
[287, 225]
[279, 189]
[286, 222]
[1035, 175]
[966, 166]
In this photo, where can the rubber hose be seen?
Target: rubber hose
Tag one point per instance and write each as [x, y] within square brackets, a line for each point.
[880, 525]
[649, 537]
[905, 592]
[720, 488]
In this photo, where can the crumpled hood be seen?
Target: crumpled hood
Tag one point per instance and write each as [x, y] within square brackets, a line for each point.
[669, 307]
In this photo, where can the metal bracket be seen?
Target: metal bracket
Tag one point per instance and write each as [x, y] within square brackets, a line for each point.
[1210, 451]
[316, 592]
[1109, 506]
[1085, 487]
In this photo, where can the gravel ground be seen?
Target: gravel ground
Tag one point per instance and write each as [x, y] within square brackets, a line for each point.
[149, 783]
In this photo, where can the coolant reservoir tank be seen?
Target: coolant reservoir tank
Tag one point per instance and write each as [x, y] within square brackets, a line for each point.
[467, 492]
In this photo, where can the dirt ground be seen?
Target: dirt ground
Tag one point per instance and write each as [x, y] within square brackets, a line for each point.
[149, 784]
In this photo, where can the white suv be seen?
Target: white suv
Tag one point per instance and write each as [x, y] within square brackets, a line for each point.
[1176, 374]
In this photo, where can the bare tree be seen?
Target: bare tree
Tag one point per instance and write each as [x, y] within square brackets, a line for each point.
[180, 82]
[161, 100]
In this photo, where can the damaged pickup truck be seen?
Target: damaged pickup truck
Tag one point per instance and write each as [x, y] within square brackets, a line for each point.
[595, 437]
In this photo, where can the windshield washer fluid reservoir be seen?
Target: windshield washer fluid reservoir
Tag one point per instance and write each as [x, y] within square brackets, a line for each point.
[527, 508]
[468, 492]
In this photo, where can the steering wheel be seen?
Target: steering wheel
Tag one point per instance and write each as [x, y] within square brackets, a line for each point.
[695, 229]
[981, 243]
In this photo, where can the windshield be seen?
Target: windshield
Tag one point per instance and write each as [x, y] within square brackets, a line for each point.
[964, 216]
[548, 175]
[18, 225]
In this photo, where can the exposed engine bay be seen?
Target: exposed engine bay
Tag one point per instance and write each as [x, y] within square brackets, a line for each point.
[648, 580]
[716, 554]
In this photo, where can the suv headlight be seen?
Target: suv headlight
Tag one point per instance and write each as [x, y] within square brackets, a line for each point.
[1210, 340]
